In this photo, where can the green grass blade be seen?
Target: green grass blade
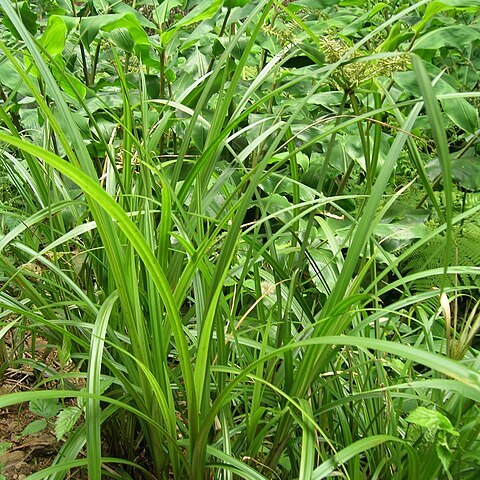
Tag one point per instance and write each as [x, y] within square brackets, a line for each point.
[92, 409]
[307, 458]
[125, 223]
[349, 452]
[439, 136]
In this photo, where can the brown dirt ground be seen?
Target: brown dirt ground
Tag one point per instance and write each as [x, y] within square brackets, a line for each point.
[27, 454]
[30, 453]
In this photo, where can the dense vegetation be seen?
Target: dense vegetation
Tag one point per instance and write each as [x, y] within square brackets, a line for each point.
[241, 239]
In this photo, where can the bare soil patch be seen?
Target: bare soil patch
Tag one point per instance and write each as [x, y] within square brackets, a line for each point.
[25, 454]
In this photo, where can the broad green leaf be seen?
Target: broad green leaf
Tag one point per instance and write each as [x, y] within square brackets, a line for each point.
[105, 383]
[12, 80]
[46, 407]
[66, 419]
[162, 12]
[463, 3]
[53, 40]
[121, 38]
[443, 6]
[130, 23]
[431, 10]
[461, 112]
[399, 231]
[34, 427]
[429, 418]
[235, 3]
[396, 36]
[199, 136]
[203, 11]
[458, 109]
[29, 19]
[123, 8]
[359, 22]
[455, 37]
[70, 22]
[465, 172]
[65, 351]
[90, 26]
[69, 83]
[314, 53]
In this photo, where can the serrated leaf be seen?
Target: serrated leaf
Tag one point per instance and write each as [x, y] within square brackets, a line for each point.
[46, 407]
[427, 418]
[4, 446]
[65, 421]
[34, 427]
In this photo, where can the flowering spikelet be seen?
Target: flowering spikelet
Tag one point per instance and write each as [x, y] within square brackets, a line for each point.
[360, 72]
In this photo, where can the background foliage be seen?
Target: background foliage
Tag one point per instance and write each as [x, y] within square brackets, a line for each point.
[249, 232]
